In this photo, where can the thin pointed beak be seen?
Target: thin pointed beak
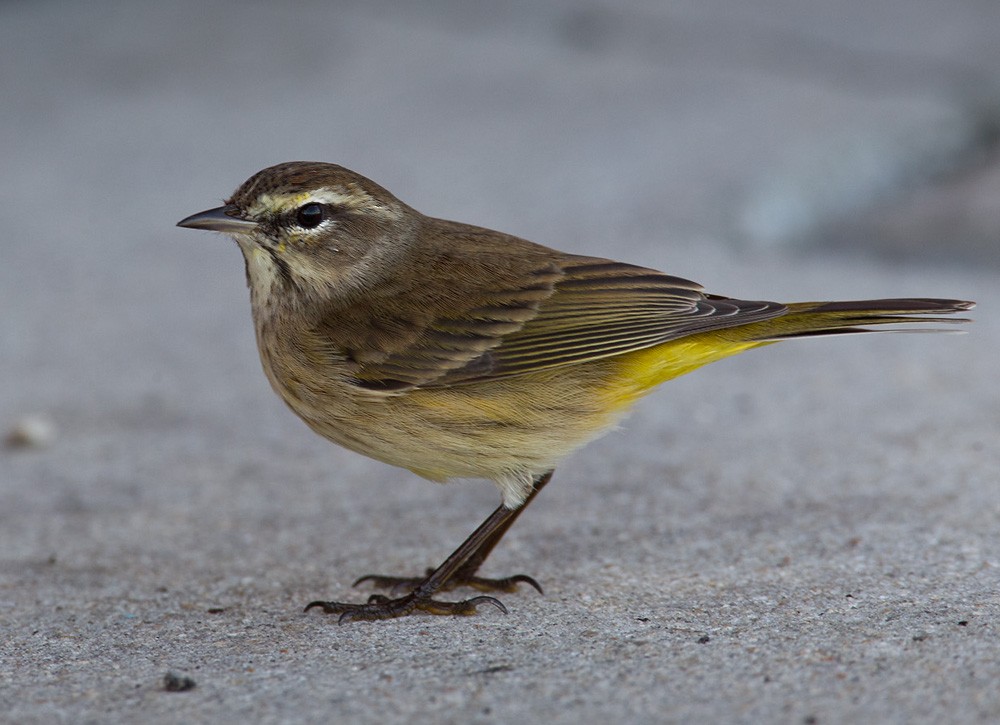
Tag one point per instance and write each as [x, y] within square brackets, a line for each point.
[221, 219]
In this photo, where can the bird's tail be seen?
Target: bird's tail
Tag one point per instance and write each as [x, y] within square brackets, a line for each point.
[645, 369]
[811, 319]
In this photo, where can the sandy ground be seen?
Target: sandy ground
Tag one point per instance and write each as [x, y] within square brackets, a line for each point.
[808, 533]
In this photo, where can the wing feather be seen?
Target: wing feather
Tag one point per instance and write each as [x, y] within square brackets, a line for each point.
[515, 309]
[602, 308]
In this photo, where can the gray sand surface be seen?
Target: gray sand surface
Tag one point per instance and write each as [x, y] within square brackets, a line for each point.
[807, 533]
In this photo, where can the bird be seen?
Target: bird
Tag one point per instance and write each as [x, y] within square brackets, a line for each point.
[456, 351]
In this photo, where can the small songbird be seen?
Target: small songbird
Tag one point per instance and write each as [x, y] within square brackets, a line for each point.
[455, 351]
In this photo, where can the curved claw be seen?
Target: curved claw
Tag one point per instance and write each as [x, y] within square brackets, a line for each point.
[530, 581]
[508, 584]
[327, 607]
[476, 601]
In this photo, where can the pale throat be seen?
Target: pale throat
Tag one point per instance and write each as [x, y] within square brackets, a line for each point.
[270, 291]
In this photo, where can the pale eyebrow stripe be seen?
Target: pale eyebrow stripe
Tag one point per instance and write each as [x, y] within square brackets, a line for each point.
[356, 198]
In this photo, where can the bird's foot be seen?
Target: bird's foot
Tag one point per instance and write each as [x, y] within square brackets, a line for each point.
[381, 607]
[397, 584]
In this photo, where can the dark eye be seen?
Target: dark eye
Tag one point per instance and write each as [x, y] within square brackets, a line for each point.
[309, 216]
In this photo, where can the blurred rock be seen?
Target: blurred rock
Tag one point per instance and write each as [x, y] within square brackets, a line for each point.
[31, 431]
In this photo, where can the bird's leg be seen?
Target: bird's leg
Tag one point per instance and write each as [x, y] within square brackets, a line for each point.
[465, 575]
[458, 569]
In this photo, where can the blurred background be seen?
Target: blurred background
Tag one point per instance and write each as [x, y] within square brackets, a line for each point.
[781, 149]
[657, 132]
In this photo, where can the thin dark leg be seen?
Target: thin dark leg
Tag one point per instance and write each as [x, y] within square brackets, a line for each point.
[465, 559]
[466, 574]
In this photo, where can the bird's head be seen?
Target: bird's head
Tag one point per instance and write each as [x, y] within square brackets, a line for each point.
[312, 231]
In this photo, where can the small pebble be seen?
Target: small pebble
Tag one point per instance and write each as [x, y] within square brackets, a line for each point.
[32, 431]
[172, 682]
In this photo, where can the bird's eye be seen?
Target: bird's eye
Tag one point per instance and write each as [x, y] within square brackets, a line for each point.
[310, 216]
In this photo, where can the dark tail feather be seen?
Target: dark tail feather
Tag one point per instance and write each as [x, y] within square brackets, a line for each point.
[810, 319]
[915, 306]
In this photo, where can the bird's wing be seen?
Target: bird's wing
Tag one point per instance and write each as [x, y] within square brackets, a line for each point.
[531, 315]
[407, 332]
[602, 308]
